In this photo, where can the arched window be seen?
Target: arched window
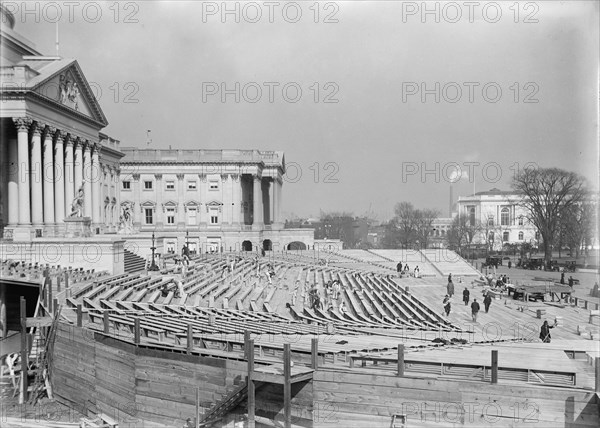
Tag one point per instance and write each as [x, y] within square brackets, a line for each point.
[505, 216]
[490, 221]
[520, 220]
[520, 236]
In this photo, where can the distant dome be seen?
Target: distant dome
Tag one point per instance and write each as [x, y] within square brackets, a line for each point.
[7, 16]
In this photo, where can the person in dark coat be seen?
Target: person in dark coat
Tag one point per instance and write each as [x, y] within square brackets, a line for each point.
[447, 305]
[466, 296]
[545, 331]
[474, 310]
[487, 301]
[562, 278]
[450, 288]
[571, 281]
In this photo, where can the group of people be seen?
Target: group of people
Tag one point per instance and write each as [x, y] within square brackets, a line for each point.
[562, 279]
[333, 293]
[405, 270]
[475, 307]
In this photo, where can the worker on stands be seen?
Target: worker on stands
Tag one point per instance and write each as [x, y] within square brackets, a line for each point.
[343, 308]
[545, 331]
[164, 290]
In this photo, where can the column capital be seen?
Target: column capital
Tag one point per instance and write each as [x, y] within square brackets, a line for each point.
[49, 131]
[224, 178]
[22, 123]
[37, 128]
[180, 177]
[59, 135]
[95, 147]
[87, 145]
[158, 177]
[256, 177]
[135, 176]
[77, 142]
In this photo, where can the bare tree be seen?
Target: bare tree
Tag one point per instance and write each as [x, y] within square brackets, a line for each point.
[405, 223]
[548, 195]
[461, 233]
[423, 221]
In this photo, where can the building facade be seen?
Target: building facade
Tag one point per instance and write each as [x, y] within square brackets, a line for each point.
[214, 200]
[498, 217]
[51, 149]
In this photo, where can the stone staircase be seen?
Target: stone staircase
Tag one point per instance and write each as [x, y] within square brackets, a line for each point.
[133, 262]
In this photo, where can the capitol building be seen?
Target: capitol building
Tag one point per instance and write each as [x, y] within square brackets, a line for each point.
[63, 179]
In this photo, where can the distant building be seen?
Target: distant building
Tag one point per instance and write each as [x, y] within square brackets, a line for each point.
[215, 200]
[499, 217]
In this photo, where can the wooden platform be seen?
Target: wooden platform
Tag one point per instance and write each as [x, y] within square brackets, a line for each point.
[274, 374]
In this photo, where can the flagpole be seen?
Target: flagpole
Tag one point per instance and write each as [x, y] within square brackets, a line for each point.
[57, 44]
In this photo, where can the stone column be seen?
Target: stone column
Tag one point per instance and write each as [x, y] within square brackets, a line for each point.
[236, 199]
[96, 177]
[279, 190]
[48, 174]
[59, 178]
[22, 125]
[226, 200]
[136, 200]
[77, 166]
[267, 191]
[180, 208]
[69, 174]
[107, 181]
[87, 180]
[117, 192]
[159, 203]
[201, 218]
[257, 223]
[13, 183]
[37, 194]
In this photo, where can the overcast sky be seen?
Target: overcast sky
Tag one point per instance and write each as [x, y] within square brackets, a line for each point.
[368, 150]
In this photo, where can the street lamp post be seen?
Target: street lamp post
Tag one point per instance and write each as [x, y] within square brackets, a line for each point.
[153, 267]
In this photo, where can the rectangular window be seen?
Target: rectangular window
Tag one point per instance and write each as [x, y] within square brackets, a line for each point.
[214, 219]
[191, 185]
[491, 220]
[213, 185]
[192, 213]
[127, 185]
[170, 185]
[147, 185]
[505, 237]
[520, 221]
[148, 212]
[170, 215]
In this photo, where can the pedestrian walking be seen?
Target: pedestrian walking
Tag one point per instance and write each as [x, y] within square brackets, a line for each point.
[562, 278]
[447, 305]
[466, 296]
[474, 310]
[487, 301]
[450, 288]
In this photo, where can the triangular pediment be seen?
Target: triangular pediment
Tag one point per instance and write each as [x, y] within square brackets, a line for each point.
[69, 88]
[214, 204]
